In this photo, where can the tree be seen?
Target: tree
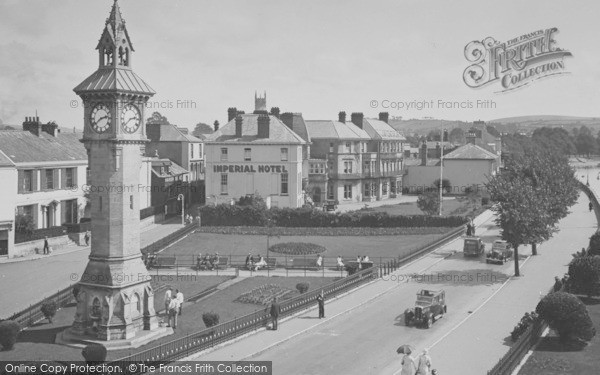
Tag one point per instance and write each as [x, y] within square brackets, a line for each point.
[429, 202]
[518, 212]
[585, 142]
[567, 315]
[584, 275]
[555, 138]
[157, 118]
[201, 129]
[595, 244]
[553, 188]
[9, 330]
[457, 135]
[446, 186]
[23, 223]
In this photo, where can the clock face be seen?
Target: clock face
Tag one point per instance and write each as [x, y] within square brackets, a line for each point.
[130, 118]
[100, 118]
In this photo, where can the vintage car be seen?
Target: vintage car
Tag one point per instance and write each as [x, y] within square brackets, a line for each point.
[473, 246]
[330, 205]
[430, 306]
[500, 253]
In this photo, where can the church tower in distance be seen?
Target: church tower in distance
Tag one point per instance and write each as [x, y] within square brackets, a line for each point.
[115, 300]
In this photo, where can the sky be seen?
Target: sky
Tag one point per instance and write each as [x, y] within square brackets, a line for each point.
[312, 56]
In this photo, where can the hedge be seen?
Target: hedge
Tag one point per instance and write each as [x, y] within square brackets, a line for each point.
[228, 215]
[39, 234]
[297, 248]
[567, 315]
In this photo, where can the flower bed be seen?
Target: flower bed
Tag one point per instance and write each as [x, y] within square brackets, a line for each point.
[297, 248]
[264, 294]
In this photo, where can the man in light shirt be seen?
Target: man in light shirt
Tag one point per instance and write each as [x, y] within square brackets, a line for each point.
[168, 294]
[173, 308]
[179, 296]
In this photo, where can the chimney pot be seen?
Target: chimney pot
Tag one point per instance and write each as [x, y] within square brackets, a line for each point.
[263, 126]
[239, 120]
[357, 119]
[231, 113]
[288, 119]
[384, 116]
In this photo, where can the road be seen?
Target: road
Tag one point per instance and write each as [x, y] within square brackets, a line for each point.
[29, 281]
[365, 339]
[482, 310]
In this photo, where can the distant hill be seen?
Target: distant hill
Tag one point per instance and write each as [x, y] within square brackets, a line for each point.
[504, 125]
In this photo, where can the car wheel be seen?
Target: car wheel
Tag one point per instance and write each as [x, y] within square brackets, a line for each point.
[445, 309]
[406, 320]
[428, 322]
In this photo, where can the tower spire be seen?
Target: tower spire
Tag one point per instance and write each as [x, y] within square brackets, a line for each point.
[115, 45]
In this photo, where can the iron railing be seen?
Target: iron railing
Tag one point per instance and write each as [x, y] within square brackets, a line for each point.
[209, 337]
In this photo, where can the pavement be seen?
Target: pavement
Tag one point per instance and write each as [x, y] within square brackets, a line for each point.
[362, 329]
[44, 275]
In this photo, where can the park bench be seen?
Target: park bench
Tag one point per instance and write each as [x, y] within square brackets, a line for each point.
[353, 265]
[223, 264]
[164, 262]
[271, 265]
[303, 263]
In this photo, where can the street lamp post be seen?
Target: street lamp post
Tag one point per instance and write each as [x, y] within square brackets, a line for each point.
[441, 166]
[181, 198]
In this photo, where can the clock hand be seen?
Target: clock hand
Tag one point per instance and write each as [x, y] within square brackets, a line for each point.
[102, 118]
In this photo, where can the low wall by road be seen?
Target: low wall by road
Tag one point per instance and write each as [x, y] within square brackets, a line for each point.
[28, 248]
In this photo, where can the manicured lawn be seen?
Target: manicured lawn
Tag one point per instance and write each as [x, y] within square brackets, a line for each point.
[37, 343]
[552, 358]
[238, 246]
[458, 206]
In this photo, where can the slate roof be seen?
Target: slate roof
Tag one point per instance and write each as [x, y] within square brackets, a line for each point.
[171, 133]
[173, 168]
[24, 147]
[5, 160]
[328, 129]
[278, 132]
[470, 151]
[112, 79]
[381, 130]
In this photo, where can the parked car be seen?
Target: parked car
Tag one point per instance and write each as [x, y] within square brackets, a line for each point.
[473, 246]
[430, 306]
[500, 253]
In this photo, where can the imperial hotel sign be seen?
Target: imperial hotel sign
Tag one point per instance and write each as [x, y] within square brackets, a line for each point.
[254, 154]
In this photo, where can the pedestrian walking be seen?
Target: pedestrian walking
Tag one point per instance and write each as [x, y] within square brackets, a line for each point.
[424, 366]
[87, 238]
[321, 302]
[173, 308]
[408, 365]
[275, 310]
[179, 297]
[46, 246]
[591, 206]
[168, 294]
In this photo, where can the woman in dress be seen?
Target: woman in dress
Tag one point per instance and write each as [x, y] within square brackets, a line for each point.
[408, 365]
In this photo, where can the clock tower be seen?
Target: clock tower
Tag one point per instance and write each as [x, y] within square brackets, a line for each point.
[116, 300]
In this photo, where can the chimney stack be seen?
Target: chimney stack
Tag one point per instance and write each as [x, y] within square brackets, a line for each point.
[384, 116]
[275, 111]
[31, 125]
[342, 117]
[357, 119]
[238, 126]
[471, 136]
[423, 153]
[231, 113]
[288, 119]
[216, 124]
[263, 126]
[50, 128]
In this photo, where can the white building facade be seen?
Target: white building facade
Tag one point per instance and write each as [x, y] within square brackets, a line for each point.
[254, 154]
